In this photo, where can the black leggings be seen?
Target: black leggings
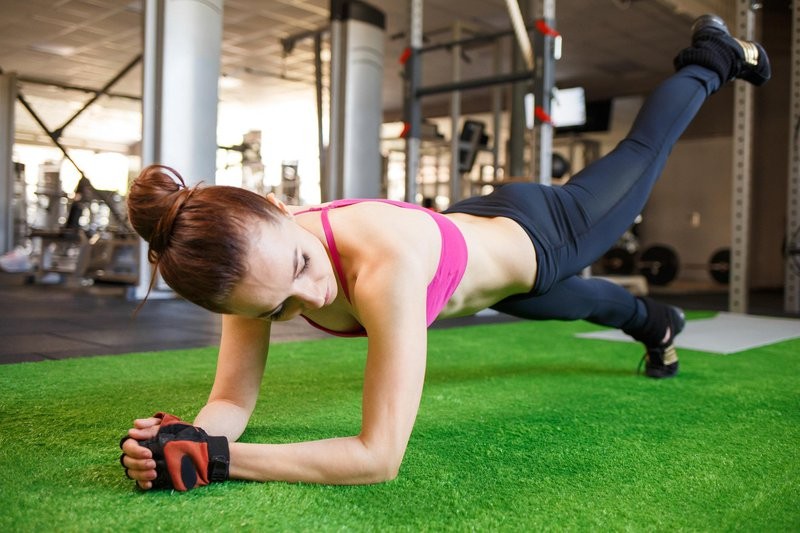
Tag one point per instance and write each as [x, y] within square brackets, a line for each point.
[574, 225]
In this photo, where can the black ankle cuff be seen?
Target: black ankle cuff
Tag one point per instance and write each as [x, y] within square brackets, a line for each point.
[658, 321]
[711, 54]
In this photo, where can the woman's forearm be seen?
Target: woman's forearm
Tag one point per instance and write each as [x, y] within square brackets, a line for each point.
[223, 418]
[339, 461]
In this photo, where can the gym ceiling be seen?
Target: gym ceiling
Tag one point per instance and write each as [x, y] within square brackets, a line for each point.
[611, 47]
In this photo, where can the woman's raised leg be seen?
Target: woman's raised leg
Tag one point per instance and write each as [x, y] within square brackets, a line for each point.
[599, 203]
[588, 214]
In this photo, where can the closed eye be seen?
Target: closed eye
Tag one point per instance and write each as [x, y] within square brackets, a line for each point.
[274, 314]
[279, 311]
[306, 262]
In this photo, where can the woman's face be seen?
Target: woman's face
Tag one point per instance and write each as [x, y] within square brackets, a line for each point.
[288, 273]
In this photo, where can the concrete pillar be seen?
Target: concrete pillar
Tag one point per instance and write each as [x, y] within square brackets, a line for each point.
[354, 159]
[181, 68]
[183, 44]
[8, 97]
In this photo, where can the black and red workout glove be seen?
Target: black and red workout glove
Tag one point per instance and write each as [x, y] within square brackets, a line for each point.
[186, 456]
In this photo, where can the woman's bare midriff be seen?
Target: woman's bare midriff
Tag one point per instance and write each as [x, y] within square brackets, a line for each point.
[502, 262]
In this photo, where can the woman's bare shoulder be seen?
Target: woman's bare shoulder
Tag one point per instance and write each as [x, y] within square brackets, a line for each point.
[384, 231]
[381, 243]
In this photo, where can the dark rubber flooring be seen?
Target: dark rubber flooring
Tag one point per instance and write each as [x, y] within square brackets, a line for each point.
[40, 322]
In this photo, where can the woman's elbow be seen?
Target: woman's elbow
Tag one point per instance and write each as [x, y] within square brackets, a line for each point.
[384, 465]
[382, 474]
[389, 470]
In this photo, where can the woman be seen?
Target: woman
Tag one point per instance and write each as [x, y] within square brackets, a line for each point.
[518, 250]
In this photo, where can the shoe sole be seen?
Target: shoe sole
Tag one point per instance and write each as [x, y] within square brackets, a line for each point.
[707, 25]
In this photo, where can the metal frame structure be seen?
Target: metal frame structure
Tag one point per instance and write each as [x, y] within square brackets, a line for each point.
[792, 276]
[55, 135]
[455, 116]
[738, 294]
[414, 91]
[412, 103]
[85, 186]
[288, 44]
[79, 88]
[544, 81]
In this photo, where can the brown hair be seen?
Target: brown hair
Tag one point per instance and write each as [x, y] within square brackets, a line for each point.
[197, 236]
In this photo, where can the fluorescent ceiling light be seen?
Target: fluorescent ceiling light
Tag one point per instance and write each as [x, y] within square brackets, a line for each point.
[55, 49]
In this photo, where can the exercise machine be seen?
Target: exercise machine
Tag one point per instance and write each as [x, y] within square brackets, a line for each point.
[84, 239]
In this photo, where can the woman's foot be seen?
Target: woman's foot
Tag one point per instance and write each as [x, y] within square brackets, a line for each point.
[714, 48]
[662, 361]
[664, 323]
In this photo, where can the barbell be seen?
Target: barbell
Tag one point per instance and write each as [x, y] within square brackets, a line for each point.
[661, 264]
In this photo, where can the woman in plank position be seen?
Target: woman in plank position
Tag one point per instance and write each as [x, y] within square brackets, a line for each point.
[387, 270]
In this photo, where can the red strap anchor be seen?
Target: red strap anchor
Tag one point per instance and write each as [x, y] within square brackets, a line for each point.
[544, 29]
[405, 55]
[541, 116]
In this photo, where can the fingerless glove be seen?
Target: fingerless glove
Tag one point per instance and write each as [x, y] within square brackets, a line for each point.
[186, 456]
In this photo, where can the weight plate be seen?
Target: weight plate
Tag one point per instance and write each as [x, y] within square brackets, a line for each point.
[659, 264]
[719, 266]
[618, 262]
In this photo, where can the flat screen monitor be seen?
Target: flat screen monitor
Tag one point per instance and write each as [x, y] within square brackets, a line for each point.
[570, 111]
[567, 108]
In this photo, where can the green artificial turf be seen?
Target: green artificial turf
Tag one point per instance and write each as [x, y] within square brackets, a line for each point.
[522, 427]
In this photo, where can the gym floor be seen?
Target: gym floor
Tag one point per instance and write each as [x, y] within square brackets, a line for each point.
[41, 322]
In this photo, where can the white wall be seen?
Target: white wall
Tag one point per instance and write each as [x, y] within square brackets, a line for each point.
[690, 208]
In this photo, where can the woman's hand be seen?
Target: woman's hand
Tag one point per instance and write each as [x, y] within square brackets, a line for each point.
[138, 460]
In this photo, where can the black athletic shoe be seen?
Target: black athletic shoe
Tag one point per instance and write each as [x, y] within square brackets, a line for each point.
[664, 323]
[662, 361]
[713, 47]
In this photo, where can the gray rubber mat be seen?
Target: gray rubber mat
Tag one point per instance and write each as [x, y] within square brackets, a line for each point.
[725, 333]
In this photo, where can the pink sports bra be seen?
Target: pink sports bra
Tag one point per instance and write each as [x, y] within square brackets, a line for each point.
[452, 261]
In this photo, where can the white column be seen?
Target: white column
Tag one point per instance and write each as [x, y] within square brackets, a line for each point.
[8, 97]
[181, 68]
[183, 44]
[357, 34]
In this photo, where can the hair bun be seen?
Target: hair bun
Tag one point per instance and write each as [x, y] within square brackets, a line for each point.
[156, 197]
[159, 240]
